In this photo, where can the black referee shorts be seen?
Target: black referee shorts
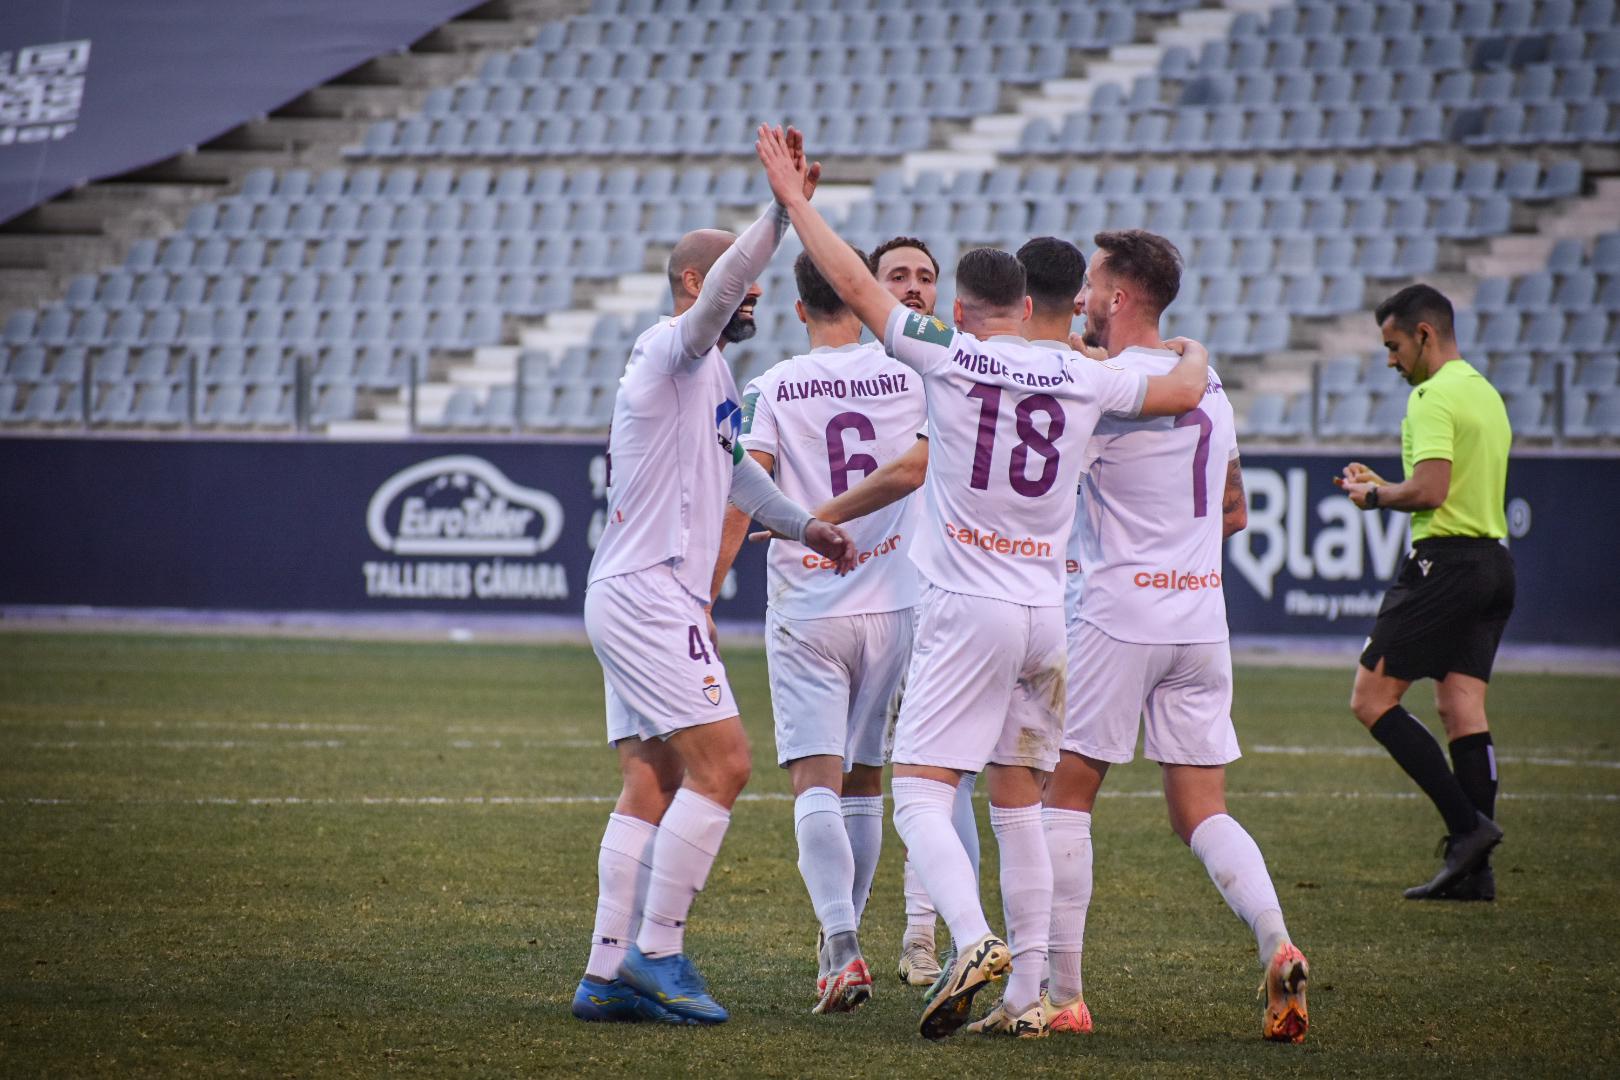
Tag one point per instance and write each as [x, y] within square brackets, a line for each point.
[1446, 611]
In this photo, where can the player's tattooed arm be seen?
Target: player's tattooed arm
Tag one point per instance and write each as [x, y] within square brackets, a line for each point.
[1234, 505]
[844, 270]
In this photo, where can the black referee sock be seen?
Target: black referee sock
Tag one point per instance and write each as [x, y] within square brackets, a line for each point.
[1416, 751]
[1473, 760]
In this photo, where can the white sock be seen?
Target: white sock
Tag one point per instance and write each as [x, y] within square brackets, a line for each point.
[825, 860]
[863, 821]
[967, 827]
[920, 913]
[1238, 870]
[688, 840]
[922, 816]
[622, 867]
[1068, 841]
[1026, 898]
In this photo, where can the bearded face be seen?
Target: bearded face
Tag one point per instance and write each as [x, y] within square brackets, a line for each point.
[741, 325]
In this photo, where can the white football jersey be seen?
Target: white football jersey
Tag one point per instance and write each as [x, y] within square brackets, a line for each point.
[1008, 421]
[671, 451]
[1074, 575]
[830, 417]
[1149, 522]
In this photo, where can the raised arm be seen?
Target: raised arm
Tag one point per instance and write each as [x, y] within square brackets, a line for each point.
[727, 281]
[893, 481]
[838, 263]
[1182, 388]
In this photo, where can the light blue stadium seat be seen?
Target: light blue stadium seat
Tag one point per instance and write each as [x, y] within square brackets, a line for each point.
[1601, 373]
[50, 404]
[1589, 332]
[115, 404]
[1347, 415]
[1388, 410]
[25, 364]
[1534, 290]
[1527, 413]
[160, 404]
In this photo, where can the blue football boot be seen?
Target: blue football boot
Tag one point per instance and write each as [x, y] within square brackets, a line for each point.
[615, 1002]
[673, 983]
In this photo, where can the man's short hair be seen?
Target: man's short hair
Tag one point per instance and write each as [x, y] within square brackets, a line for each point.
[991, 277]
[1054, 270]
[1146, 260]
[819, 297]
[887, 246]
[1415, 304]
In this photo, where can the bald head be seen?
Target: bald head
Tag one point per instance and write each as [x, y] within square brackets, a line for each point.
[697, 252]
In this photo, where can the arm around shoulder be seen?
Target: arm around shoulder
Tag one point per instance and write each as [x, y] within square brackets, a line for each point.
[1182, 388]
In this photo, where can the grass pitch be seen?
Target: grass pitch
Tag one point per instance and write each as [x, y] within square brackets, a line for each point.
[302, 858]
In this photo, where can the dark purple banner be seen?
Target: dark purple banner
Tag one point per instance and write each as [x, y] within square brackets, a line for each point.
[508, 527]
[92, 88]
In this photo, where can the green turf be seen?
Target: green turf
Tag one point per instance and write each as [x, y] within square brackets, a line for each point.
[155, 921]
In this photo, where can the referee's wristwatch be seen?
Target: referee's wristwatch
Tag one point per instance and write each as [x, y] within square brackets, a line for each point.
[1370, 501]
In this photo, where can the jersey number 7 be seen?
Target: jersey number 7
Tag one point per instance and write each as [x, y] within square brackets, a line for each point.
[1200, 419]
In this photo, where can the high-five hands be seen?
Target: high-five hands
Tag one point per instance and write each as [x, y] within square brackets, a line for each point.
[791, 177]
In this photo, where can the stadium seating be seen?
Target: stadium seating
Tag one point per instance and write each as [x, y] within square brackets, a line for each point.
[1354, 75]
[564, 164]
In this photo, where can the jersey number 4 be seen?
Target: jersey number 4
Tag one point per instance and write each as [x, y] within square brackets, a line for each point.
[1030, 438]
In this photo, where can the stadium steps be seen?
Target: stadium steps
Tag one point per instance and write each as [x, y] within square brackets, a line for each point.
[994, 136]
[1583, 219]
[1463, 265]
[87, 230]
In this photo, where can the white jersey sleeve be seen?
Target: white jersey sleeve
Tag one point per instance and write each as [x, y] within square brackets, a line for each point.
[830, 418]
[917, 340]
[759, 418]
[1150, 522]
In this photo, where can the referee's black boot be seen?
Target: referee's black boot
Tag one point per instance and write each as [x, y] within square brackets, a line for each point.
[1465, 853]
[1479, 885]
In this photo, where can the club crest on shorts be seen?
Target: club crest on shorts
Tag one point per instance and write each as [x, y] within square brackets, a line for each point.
[711, 689]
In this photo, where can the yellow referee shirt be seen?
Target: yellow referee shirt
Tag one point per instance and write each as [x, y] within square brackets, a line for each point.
[1458, 416]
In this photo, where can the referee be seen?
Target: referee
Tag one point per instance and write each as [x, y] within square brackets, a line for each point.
[1445, 614]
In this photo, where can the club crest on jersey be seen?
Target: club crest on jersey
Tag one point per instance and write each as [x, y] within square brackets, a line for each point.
[727, 426]
[926, 328]
[711, 689]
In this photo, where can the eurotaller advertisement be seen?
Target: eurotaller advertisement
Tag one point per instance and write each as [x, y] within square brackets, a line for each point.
[508, 527]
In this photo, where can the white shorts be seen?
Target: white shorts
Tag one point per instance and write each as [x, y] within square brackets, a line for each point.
[835, 683]
[1182, 694]
[660, 669]
[986, 684]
